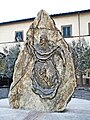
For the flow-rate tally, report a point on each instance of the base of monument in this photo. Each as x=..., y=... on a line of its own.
x=36, y=103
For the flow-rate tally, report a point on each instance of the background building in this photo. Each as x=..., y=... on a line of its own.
x=73, y=26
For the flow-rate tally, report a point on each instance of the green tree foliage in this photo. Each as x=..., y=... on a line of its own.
x=87, y=59
x=11, y=56
x=81, y=56
x=2, y=63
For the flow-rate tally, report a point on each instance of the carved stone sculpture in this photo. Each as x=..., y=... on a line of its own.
x=44, y=76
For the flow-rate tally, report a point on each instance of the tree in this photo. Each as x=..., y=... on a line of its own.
x=11, y=56
x=7, y=62
x=2, y=65
x=81, y=56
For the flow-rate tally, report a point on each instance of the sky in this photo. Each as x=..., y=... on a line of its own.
x=21, y=9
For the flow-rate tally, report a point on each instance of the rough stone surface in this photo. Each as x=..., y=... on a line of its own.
x=44, y=76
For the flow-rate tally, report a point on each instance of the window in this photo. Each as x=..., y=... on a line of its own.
x=66, y=30
x=19, y=36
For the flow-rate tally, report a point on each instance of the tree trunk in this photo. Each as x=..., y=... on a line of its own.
x=81, y=79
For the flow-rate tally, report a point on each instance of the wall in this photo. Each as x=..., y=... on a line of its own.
x=7, y=31
x=68, y=20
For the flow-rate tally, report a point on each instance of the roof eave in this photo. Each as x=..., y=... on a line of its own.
x=52, y=15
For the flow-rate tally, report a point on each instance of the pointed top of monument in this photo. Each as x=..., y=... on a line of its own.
x=43, y=21
x=44, y=24
x=41, y=12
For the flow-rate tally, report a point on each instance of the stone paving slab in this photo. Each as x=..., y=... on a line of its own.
x=77, y=109
x=82, y=93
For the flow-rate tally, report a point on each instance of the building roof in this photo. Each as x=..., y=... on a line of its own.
x=52, y=15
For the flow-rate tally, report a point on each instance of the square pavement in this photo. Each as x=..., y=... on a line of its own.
x=77, y=109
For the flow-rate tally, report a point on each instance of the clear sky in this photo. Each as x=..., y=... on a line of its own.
x=20, y=9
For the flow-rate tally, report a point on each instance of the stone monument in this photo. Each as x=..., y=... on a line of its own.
x=44, y=76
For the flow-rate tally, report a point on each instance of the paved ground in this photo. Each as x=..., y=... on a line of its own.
x=82, y=93
x=77, y=109
x=4, y=92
